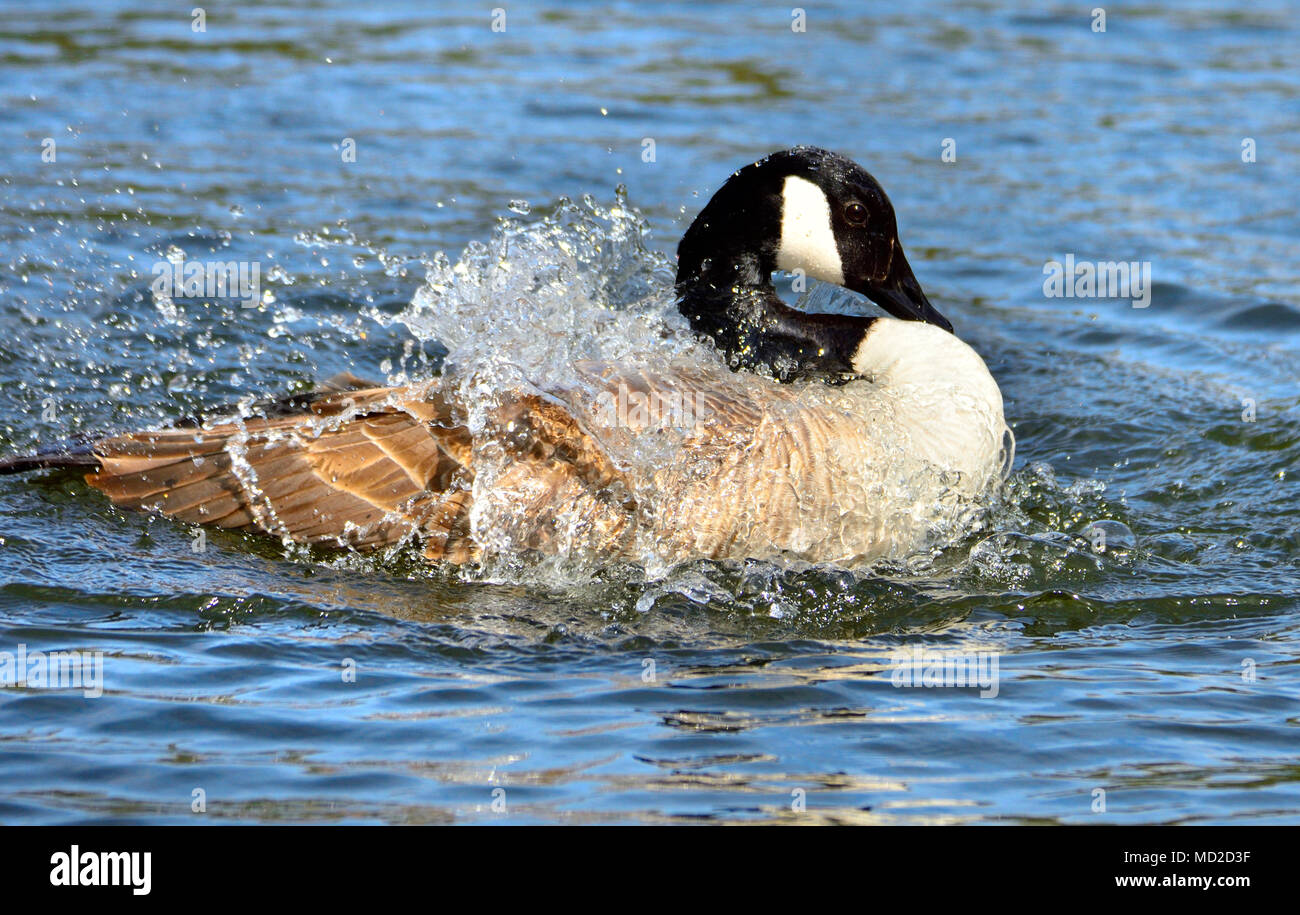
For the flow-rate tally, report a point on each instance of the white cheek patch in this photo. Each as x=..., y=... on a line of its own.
x=807, y=238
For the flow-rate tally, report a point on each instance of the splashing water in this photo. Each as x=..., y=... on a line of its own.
x=563, y=307
x=1120, y=667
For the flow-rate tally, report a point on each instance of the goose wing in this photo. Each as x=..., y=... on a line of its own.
x=623, y=462
x=365, y=466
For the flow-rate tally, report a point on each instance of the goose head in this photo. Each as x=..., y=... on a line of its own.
x=802, y=209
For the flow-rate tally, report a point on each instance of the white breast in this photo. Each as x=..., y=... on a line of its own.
x=946, y=399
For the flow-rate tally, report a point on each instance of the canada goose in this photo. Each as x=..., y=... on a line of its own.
x=850, y=438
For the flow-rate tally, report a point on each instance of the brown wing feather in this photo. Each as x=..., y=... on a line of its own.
x=366, y=467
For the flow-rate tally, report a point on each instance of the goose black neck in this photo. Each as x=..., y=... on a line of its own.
x=729, y=299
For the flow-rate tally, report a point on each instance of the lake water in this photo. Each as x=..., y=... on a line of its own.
x=1156, y=680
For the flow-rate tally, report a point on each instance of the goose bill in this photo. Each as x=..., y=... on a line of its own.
x=901, y=295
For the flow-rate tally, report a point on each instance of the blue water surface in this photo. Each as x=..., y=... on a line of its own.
x=1157, y=681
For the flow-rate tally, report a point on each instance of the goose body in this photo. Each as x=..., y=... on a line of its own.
x=850, y=438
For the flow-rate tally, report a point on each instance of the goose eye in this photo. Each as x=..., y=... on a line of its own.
x=856, y=214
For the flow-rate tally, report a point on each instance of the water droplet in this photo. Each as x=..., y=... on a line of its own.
x=1109, y=536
